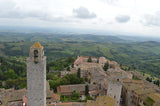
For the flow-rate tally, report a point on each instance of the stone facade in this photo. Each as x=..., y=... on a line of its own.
x=127, y=90
x=36, y=76
x=114, y=91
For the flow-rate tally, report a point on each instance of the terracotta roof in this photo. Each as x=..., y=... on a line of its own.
x=72, y=70
x=102, y=58
x=143, y=91
x=56, y=96
x=17, y=95
x=154, y=96
x=157, y=103
x=71, y=88
x=68, y=104
x=131, y=87
x=83, y=59
x=126, y=80
x=94, y=92
x=113, y=63
x=37, y=45
x=101, y=101
x=60, y=104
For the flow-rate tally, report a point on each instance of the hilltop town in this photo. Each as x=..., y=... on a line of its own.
x=106, y=84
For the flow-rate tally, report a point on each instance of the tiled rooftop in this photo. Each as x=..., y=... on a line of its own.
x=101, y=101
x=131, y=87
x=154, y=96
x=37, y=45
x=126, y=80
x=71, y=88
x=143, y=91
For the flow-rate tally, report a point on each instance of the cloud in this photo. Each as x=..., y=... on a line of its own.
x=6, y=4
x=111, y=2
x=122, y=18
x=9, y=9
x=84, y=13
x=151, y=19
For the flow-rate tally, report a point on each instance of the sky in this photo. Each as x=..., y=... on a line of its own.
x=139, y=17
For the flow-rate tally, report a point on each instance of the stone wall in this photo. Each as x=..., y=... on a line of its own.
x=36, y=82
x=114, y=91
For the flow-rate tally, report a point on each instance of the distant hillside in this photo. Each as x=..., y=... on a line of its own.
x=18, y=37
x=142, y=56
x=139, y=38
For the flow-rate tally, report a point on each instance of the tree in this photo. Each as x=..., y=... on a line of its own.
x=68, y=69
x=154, y=82
x=106, y=66
x=72, y=65
x=90, y=59
x=0, y=84
x=70, y=59
x=98, y=60
x=86, y=90
x=75, y=95
x=79, y=73
x=11, y=74
x=65, y=80
x=149, y=79
x=157, y=83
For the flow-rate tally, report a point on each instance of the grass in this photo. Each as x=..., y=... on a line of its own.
x=136, y=78
x=149, y=102
x=147, y=75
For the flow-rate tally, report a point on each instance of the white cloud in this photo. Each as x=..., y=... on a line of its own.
x=112, y=2
x=151, y=19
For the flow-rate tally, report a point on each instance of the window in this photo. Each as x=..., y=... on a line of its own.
x=35, y=53
x=144, y=103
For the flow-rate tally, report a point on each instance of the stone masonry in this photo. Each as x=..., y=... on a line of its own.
x=36, y=76
x=114, y=91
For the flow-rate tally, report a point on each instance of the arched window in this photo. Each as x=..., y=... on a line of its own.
x=35, y=53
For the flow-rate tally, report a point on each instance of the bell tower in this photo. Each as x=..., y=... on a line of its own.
x=36, y=76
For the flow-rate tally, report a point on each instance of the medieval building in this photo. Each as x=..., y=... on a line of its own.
x=36, y=76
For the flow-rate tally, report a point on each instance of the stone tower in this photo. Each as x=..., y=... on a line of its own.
x=36, y=76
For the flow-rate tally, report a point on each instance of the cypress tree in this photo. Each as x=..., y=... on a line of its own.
x=106, y=66
x=79, y=73
x=90, y=59
x=86, y=90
